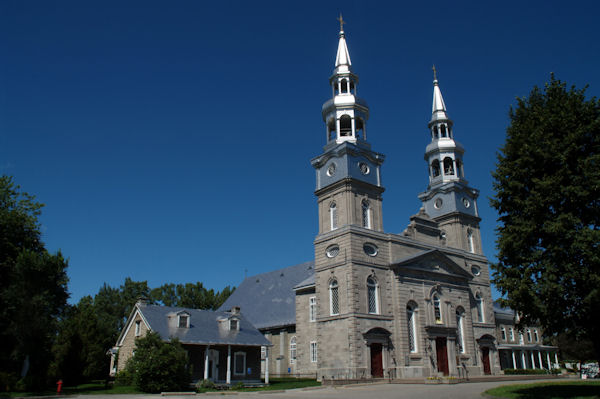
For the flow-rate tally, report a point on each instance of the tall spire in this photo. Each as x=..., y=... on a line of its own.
x=438, y=108
x=345, y=115
x=342, y=59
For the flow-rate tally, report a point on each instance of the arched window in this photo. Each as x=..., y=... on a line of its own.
x=373, y=302
x=528, y=335
x=333, y=220
x=334, y=300
x=470, y=241
x=448, y=166
x=293, y=351
x=535, y=335
x=443, y=130
x=412, y=327
x=359, y=126
x=460, y=328
x=511, y=333
x=344, y=86
x=435, y=168
x=479, y=305
x=345, y=125
x=437, y=310
x=366, y=214
x=435, y=132
x=503, y=333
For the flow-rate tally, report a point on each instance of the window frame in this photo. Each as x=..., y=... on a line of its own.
x=372, y=295
x=437, y=309
x=235, y=362
x=334, y=293
x=460, y=330
x=411, y=314
x=314, y=352
x=293, y=349
x=312, y=309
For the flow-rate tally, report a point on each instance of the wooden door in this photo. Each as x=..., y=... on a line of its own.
x=485, y=358
x=442, y=355
x=376, y=361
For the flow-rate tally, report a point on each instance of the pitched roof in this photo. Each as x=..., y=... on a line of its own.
x=268, y=299
x=205, y=327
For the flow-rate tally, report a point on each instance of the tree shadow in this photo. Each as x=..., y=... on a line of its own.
x=559, y=391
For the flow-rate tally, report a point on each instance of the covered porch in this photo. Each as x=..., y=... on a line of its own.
x=528, y=356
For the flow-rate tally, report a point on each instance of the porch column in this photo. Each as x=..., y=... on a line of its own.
x=514, y=360
x=523, y=363
x=548, y=360
x=540, y=359
x=267, y=365
x=206, y=363
x=228, y=381
x=532, y=360
x=556, y=359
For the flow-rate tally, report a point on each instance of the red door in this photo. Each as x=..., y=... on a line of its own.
x=376, y=361
x=485, y=357
x=442, y=355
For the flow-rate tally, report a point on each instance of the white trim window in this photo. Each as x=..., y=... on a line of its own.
x=333, y=216
x=503, y=333
x=535, y=335
x=372, y=294
x=312, y=308
x=183, y=320
x=263, y=352
x=313, y=351
x=511, y=333
x=366, y=214
x=460, y=336
x=437, y=309
x=479, y=305
x=293, y=350
x=239, y=363
x=412, y=328
x=470, y=241
x=528, y=335
x=138, y=328
x=334, y=298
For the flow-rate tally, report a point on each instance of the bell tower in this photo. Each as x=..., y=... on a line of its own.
x=348, y=172
x=449, y=200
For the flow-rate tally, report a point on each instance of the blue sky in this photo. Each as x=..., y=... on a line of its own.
x=170, y=141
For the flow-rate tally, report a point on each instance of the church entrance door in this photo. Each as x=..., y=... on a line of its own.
x=376, y=360
x=485, y=357
x=442, y=355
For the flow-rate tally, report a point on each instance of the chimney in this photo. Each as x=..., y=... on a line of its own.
x=235, y=310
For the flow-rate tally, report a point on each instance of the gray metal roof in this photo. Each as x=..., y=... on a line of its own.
x=268, y=299
x=205, y=327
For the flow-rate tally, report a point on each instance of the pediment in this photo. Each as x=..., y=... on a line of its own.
x=432, y=262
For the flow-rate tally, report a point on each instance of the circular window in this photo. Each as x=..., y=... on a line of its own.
x=331, y=170
x=332, y=251
x=475, y=270
x=466, y=202
x=364, y=168
x=370, y=249
x=438, y=203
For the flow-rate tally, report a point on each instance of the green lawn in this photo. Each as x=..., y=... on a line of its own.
x=548, y=390
x=83, y=389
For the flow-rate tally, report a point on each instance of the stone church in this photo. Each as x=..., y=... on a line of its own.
x=375, y=304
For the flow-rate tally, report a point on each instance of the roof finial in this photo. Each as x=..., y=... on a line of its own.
x=434, y=72
x=342, y=22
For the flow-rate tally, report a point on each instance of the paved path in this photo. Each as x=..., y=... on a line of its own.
x=375, y=391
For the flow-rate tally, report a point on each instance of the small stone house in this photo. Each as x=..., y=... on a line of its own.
x=222, y=346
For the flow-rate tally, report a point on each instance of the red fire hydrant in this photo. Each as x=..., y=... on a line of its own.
x=59, y=387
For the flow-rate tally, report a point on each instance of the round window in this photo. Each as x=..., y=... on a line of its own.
x=332, y=251
x=466, y=202
x=438, y=203
x=475, y=270
x=364, y=168
x=370, y=249
x=331, y=169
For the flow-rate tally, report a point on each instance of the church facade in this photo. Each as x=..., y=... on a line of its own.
x=375, y=304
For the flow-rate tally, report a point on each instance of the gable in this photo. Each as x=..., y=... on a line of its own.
x=135, y=315
x=432, y=262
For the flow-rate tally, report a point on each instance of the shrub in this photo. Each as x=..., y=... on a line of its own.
x=124, y=378
x=525, y=371
x=159, y=366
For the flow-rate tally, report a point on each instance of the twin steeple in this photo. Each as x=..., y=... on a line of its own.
x=345, y=114
x=443, y=154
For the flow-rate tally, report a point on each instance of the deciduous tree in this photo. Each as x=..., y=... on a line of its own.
x=547, y=194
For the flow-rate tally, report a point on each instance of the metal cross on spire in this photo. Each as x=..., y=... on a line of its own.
x=434, y=72
x=342, y=22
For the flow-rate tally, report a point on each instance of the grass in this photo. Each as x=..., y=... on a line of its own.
x=93, y=388
x=276, y=384
x=548, y=390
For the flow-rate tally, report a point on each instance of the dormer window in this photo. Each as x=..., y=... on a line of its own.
x=183, y=320
x=234, y=325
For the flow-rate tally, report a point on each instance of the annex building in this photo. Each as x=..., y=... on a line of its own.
x=375, y=304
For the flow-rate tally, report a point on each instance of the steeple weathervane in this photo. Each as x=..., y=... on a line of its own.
x=434, y=73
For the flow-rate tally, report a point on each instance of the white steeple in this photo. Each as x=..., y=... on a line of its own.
x=443, y=154
x=345, y=114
